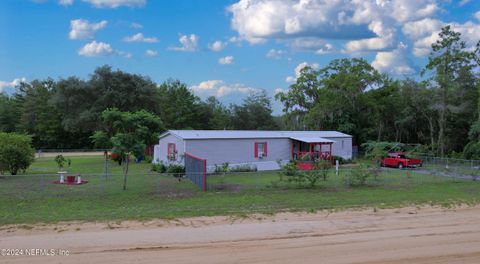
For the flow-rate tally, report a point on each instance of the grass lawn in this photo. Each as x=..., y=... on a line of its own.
x=33, y=198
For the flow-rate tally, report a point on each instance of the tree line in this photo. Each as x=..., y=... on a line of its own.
x=67, y=113
x=440, y=110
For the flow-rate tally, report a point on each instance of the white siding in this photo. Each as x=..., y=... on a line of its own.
x=161, y=150
x=240, y=151
x=337, y=150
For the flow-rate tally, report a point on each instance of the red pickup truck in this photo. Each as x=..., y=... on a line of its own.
x=399, y=160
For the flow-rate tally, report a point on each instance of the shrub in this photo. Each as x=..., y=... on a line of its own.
x=176, y=169
x=148, y=159
x=60, y=160
x=222, y=169
x=244, y=168
x=322, y=166
x=472, y=150
x=159, y=167
x=16, y=152
x=340, y=159
x=357, y=177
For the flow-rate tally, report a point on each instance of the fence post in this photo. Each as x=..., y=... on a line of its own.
x=336, y=167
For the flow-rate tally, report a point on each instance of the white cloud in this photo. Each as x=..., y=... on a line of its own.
x=259, y=20
x=188, y=43
x=477, y=15
x=298, y=69
x=393, y=62
x=139, y=37
x=94, y=49
x=14, y=83
x=421, y=28
x=219, y=88
x=116, y=3
x=385, y=39
x=65, y=2
x=82, y=29
x=136, y=25
x=151, y=53
x=275, y=54
x=425, y=32
x=217, y=46
x=226, y=60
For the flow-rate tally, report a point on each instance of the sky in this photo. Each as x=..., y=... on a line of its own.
x=223, y=48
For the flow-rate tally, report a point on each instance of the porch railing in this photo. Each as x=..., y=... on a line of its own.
x=315, y=155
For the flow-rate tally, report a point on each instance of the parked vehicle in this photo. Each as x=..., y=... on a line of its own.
x=399, y=160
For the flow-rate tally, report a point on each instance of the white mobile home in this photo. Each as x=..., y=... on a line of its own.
x=257, y=148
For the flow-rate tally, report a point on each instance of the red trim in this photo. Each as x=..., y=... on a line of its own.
x=204, y=169
x=265, y=149
x=193, y=156
x=174, y=150
x=204, y=175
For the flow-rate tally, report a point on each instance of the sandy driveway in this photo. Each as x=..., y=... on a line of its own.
x=408, y=235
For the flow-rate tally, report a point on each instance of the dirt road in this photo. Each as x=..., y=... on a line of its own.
x=408, y=235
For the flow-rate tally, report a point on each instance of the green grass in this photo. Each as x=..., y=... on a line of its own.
x=31, y=199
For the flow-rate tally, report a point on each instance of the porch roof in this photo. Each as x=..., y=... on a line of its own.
x=313, y=139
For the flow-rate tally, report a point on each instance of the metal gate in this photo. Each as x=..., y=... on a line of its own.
x=196, y=170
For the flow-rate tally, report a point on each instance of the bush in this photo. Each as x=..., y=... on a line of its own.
x=148, y=159
x=222, y=169
x=357, y=177
x=60, y=160
x=472, y=150
x=322, y=167
x=16, y=152
x=159, y=167
x=244, y=168
x=176, y=170
x=340, y=159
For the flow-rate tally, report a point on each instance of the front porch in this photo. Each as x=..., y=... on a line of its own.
x=307, y=150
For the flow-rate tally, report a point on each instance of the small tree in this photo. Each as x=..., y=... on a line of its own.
x=60, y=160
x=323, y=166
x=129, y=133
x=16, y=152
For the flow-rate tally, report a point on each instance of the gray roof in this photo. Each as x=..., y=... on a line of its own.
x=226, y=134
x=313, y=139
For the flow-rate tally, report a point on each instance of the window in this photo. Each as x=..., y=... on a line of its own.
x=342, y=144
x=171, y=151
x=260, y=149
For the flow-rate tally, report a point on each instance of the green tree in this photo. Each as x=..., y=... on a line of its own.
x=129, y=133
x=332, y=98
x=255, y=113
x=82, y=102
x=214, y=115
x=38, y=117
x=16, y=152
x=179, y=107
x=9, y=116
x=451, y=64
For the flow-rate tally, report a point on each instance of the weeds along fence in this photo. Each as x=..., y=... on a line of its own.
x=175, y=186
x=451, y=166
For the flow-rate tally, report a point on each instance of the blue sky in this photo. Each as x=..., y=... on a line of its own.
x=223, y=48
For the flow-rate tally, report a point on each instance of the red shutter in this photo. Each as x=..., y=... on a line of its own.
x=255, y=150
x=265, y=149
x=168, y=148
